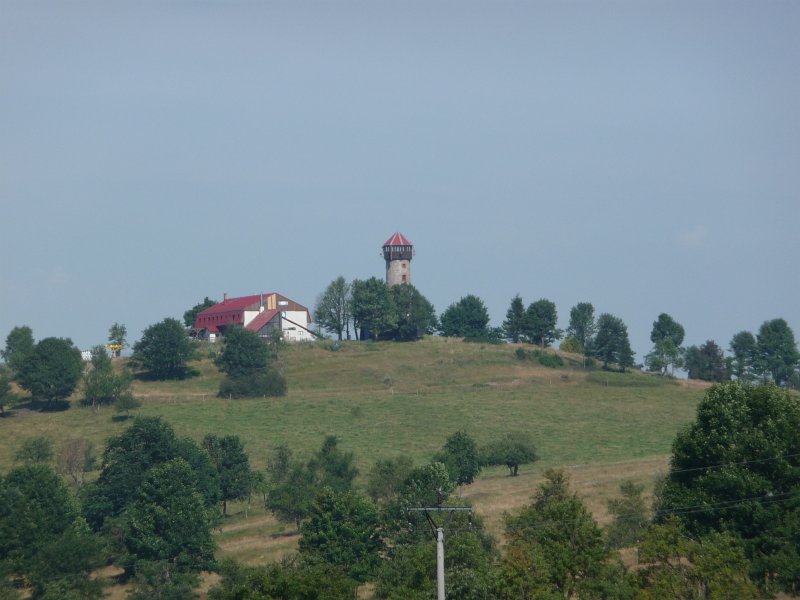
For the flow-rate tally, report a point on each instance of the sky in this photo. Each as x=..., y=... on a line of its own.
x=643, y=156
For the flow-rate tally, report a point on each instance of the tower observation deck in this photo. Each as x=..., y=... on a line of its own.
x=398, y=252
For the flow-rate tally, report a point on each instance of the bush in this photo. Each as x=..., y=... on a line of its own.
x=552, y=361
x=253, y=385
x=521, y=354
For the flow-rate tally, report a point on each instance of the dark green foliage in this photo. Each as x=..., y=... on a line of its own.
x=611, y=345
x=7, y=396
x=166, y=519
x=35, y=450
x=572, y=345
x=556, y=548
x=343, y=529
x=546, y=359
x=128, y=457
x=244, y=352
x=678, y=566
x=706, y=363
x=52, y=370
x=102, y=385
x=777, y=351
x=232, y=464
x=738, y=467
x=254, y=385
x=521, y=354
x=540, y=321
x=332, y=311
x=332, y=467
x=514, y=325
x=164, y=350
x=117, y=335
x=413, y=314
x=466, y=318
x=629, y=516
x=372, y=308
x=461, y=457
x=190, y=316
x=743, y=348
x=387, y=478
x=667, y=337
x=19, y=344
x=161, y=581
x=582, y=326
x=513, y=449
x=292, y=579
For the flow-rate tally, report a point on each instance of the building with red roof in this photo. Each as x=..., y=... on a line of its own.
x=262, y=313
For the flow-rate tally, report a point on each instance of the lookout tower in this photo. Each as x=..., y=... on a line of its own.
x=398, y=252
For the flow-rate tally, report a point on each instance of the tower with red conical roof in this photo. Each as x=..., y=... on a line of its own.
x=398, y=252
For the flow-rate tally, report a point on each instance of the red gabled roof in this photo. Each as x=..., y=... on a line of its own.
x=261, y=320
x=398, y=239
x=240, y=303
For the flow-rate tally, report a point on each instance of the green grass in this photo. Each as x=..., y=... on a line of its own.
x=384, y=399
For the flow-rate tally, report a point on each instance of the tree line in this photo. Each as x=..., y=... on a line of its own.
x=723, y=522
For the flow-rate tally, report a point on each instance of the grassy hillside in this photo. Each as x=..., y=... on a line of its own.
x=384, y=399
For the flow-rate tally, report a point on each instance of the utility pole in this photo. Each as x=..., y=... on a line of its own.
x=438, y=532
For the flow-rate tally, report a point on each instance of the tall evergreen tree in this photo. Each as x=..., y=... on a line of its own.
x=743, y=348
x=582, y=325
x=514, y=324
x=540, y=323
x=777, y=351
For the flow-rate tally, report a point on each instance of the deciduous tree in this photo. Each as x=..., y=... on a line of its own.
x=233, y=465
x=777, y=351
x=372, y=310
x=413, y=314
x=629, y=516
x=737, y=467
x=466, y=318
x=52, y=370
x=19, y=344
x=104, y=385
x=667, y=354
x=190, y=316
x=35, y=450
x=332, y=311
x=540, y=323
x=164, y=350
x=611, y=344
x=513, y=449
x=582, y=325
x=461, y=457
x=117, y=337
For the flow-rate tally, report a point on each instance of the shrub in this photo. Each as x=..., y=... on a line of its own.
x=253, y=385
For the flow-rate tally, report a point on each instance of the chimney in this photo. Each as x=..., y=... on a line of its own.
x=225, y=297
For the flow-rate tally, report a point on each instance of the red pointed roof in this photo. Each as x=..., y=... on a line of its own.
x=398, y=239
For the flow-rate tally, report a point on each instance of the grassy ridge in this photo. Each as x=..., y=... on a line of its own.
x=385, y=399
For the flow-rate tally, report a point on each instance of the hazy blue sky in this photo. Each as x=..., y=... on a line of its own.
x=642, y=156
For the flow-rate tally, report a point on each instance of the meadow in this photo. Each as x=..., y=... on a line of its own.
x=386, y=399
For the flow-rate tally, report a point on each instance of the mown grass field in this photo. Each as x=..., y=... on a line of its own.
x=385, y=399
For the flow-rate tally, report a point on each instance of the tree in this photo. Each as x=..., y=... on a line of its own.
x=413, y=314
x=540, y=323
x=76, y=459
x=167, y=519
x=7, y=397
x=102, y=385
x=117, y=335
x=52, y=370
x=514, y=325
x=611, y=344
x=629, y=516
x=556, y=548
x=146, y=443
x=743, y=348
x=291, y=490
x=706, y=362
x=777, y=351
x=513, y=449
x=387, y=478
x=244, y=352
x=466, y=318
x=332, y=467
x=233, y=465
x=190, y=316
x=332, y=311
x=343, y=530
x=371, y=308
x=737, y=467
x=35, y=450
x=678, y=566
x=461, y=457
x=667, y=337
x=19, y=344
x=582, y=325
x=164, y=350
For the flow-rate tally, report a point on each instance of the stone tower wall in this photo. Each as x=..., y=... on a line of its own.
x=395, y=270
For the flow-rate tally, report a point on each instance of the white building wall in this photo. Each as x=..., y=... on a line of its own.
x=291, y=332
